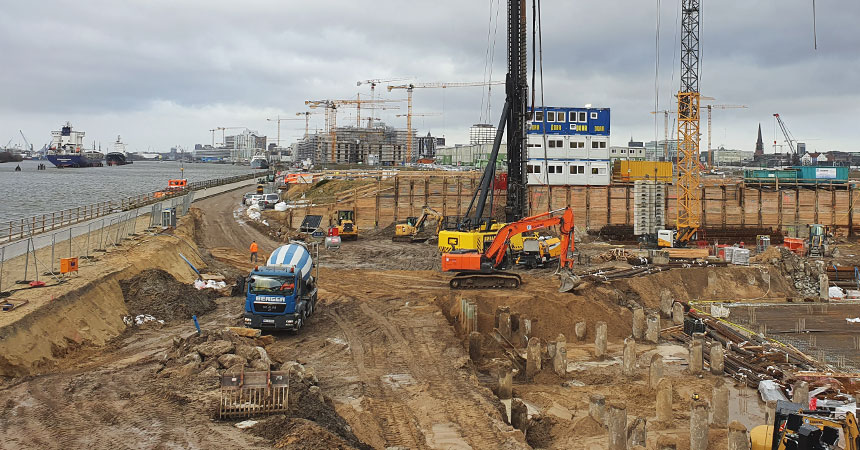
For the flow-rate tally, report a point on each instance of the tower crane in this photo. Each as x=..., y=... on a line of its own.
x=213, y=136
x=373, y=84
x=412, y=86
x=279, y=119
x=689, y=168
x=710, y=109
x=331, y=107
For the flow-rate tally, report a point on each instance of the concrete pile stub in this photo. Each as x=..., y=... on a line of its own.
x=666, y=302
x=559, y=359
x=638, y=324
x=533, y=358
x=664, y=402
x=655, y=370
x=720, y=398
x=696, y=359
x=638, y=433
x=678, y=313
x=718, y=357
x=503, y=321
x=738, y=438
x=699, y=425
x=617, y=426
x=519, y=415
x=652, y=329
x=600, y=340
x=580, y=329
x=597, y=408
x=629, y=358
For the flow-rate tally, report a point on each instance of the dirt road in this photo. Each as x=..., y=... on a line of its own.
x=382, y=348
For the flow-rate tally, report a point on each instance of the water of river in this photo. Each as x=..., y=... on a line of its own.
x=33, y=192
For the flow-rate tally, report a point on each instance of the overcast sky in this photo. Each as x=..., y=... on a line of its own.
x=162, y=73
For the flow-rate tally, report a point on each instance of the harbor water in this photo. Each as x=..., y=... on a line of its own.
x=33, y=192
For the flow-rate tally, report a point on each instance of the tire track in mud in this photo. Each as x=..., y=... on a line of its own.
x=396, y=422
x=461, y=404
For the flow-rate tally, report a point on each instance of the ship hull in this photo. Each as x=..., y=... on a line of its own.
x=71, y=161
x=259, y=164
x=116, y=159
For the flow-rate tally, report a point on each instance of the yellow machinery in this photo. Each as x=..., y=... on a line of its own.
x=346, y=227
x=817, y=244
x=478, y=239
x=538, y=250
x=689, y=168
x=408, y=232
x=795, y=428
x=450, y=240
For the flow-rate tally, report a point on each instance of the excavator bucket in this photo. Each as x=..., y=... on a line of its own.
x=569, y=280
x=254, y=393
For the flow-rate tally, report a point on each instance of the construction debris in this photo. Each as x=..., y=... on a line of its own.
x=157, y=293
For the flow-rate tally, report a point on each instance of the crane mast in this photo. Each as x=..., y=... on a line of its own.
x=689, y=172
x=517, y=96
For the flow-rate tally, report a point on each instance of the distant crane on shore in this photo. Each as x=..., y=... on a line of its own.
x=411, y=86
x=373, y=84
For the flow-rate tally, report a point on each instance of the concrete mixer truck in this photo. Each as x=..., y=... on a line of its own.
x=282, y=294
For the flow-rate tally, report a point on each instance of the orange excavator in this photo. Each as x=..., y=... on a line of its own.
x=483, y=270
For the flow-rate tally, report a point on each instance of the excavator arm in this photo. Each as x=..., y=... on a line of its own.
x=428, y=213
x=497, y=249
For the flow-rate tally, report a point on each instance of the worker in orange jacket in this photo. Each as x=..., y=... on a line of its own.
x=254, y=251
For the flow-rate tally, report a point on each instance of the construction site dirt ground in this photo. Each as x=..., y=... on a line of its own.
x=387, y=349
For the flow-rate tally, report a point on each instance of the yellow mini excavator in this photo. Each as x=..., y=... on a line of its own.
x=410, y=230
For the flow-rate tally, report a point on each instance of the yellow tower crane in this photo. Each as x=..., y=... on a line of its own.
x=412, y=86
x=689, y=218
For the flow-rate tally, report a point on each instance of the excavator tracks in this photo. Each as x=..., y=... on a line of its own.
x=495, y=280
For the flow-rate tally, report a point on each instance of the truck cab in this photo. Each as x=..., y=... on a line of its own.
x=279, y=298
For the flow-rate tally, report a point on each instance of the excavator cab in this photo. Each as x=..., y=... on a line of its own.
x=795, y=428
x=346, y=227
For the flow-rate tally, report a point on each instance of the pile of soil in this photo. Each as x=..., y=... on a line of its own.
x=157, y=293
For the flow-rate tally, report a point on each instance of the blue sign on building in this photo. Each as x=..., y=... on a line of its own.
x=569, y=121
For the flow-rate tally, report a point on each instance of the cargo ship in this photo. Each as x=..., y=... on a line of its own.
x=118, y=157
x=259, y=161
x=66, y=149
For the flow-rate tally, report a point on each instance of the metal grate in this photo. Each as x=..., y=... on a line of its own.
x=254, y=393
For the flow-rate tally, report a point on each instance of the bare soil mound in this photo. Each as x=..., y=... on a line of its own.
x=312, y=421
x=157, y=293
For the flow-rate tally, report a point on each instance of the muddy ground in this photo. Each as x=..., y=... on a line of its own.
x=388, y=355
